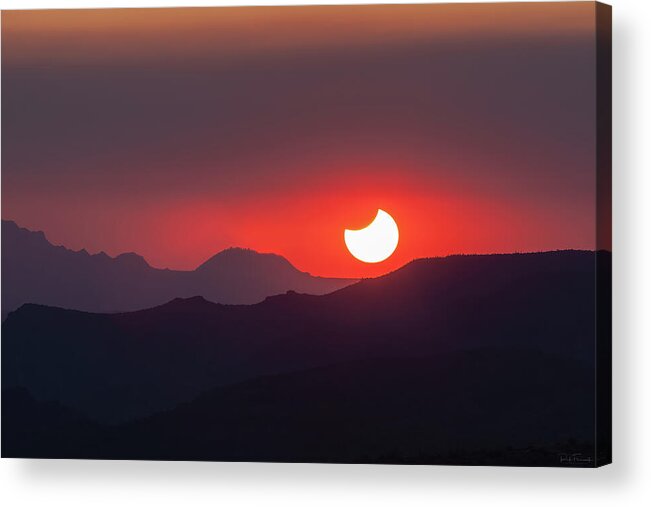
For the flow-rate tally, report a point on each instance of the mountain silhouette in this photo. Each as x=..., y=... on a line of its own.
x=446, y=408
x=116, y=367
x=35, y=271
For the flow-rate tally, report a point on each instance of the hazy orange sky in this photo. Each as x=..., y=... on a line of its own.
x=176, y=133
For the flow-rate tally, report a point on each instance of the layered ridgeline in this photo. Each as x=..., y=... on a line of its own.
x=453, y=354
x=35, y=271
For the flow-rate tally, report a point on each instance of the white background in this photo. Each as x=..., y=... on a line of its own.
x=626, y=482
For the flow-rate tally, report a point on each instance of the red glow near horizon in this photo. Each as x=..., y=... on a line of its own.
x=306, y=223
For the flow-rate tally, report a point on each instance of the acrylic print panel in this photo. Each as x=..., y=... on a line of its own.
x=349, y=234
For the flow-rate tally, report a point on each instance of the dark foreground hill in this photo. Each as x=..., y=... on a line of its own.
x=35, y=271
x=112, y=368
x=480, y=407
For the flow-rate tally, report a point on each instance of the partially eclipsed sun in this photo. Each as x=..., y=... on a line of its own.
x=375, y=242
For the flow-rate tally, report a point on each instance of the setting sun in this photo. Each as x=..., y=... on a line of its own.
x=375, y=242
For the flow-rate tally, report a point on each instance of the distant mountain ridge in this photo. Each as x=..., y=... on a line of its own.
x=35, y=271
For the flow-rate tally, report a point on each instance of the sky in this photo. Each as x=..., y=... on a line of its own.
x=176, y=133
